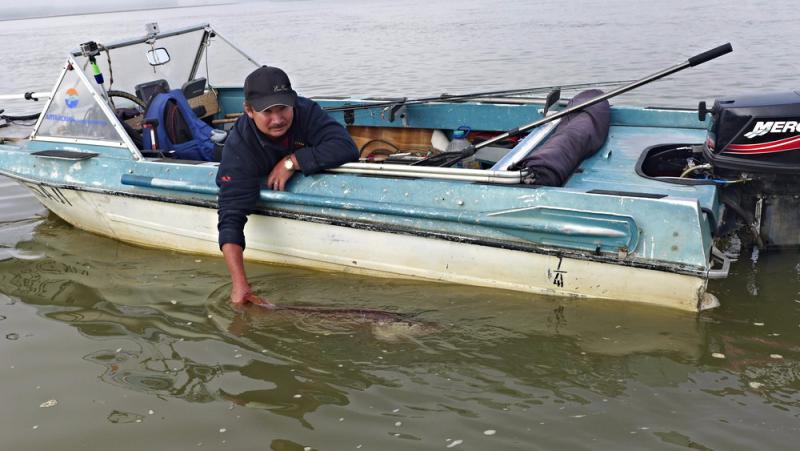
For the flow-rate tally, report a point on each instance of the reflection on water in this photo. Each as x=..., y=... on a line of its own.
x=462, y=354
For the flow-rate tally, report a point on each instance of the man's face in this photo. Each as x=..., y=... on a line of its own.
x=274, y=121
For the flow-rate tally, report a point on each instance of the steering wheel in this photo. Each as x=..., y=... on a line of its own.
x=128, y=96
x=131, y=119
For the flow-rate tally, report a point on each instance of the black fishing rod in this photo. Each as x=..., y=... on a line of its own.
x=448, y=97
x=691, y=62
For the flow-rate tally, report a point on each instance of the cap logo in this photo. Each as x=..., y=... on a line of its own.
x=280, y=88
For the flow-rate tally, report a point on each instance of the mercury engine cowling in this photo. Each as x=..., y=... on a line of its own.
x=756, y=140
x=756, y=134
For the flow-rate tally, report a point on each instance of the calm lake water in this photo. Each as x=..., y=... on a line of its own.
x=109, y=346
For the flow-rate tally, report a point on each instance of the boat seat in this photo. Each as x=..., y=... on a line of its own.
x=204, y=105
x=194, y=88
x=146, y=91
x=578, y=136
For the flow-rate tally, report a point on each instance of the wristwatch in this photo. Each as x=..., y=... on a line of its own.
x=288, y=164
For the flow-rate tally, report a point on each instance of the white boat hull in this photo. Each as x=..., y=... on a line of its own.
x=279, y=240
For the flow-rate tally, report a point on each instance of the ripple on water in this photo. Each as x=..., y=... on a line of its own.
x=118, y=416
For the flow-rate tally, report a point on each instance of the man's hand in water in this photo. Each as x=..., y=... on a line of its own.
x=241, y=296
x=240, y=293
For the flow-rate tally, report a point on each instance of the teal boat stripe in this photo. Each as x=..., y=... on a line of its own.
x=515, y=246
x=553, y=226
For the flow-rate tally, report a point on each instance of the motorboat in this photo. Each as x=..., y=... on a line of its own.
x=646, y=217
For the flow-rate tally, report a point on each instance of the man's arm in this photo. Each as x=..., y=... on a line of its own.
x=238, y=179
x=234, y=258
x=241, y=293
x=328, y=144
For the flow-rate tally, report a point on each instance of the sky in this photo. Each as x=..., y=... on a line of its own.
x=43, y=8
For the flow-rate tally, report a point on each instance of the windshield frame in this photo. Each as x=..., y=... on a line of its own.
x=79, y=61
x=101, y=100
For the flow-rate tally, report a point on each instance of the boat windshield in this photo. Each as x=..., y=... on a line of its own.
x=113, y=83
x=75, y=113
x=176, y=58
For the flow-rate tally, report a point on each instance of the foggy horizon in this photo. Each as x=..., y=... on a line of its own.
x=45, y=8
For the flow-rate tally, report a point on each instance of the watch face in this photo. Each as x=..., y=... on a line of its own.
x=288, y=164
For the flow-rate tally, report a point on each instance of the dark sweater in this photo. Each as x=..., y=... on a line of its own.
x=317, y=140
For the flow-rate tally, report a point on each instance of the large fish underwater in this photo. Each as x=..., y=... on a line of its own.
x=384, y=325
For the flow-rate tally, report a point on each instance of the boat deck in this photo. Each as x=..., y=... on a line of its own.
x=613, y=168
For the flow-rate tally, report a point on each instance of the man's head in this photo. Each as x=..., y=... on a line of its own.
x=269, y=100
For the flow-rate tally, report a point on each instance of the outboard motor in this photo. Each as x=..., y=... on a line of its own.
x=756, y=140
x=755, y=133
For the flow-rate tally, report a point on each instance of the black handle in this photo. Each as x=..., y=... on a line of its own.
x=551, y=100
x=710, y=54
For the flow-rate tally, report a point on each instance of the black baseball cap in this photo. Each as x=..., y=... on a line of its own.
x=268, y=86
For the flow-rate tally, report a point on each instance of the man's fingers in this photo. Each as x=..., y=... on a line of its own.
x=275, y=183
x=278, y=177
x=279, y=184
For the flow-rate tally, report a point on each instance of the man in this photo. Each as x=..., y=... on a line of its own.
x=279, y=134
